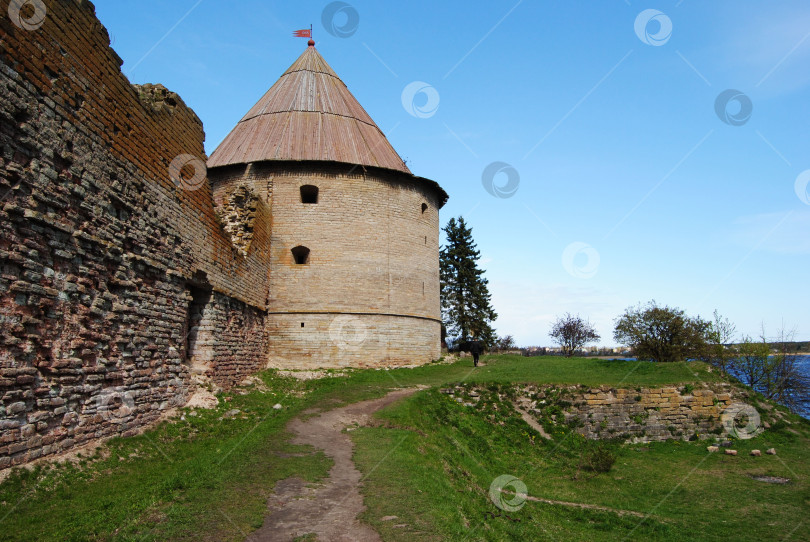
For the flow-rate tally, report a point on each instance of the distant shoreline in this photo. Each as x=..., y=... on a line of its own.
x=619, y=356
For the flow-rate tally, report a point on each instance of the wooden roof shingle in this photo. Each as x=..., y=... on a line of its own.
x=309, y=114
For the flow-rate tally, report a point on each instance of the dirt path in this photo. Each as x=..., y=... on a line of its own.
x=533, y=423
x=329, y=511
x=584, y=506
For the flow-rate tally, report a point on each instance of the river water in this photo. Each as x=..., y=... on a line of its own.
x=804, y=363
x=804, y=402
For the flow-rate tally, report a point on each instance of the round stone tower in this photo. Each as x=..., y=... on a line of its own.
x=353, y=269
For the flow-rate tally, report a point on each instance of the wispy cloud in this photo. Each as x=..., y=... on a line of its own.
x=789, y=238
x=773, y=52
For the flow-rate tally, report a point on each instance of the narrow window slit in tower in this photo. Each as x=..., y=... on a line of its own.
x=424, y=208
x=309, y=194
x=301, y=255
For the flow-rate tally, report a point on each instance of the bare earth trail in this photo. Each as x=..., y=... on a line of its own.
x=330, y=510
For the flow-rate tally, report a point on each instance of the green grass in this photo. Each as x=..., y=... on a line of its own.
x=431, y=465
x=202, y=477
x=546, y=369
x=207, y=477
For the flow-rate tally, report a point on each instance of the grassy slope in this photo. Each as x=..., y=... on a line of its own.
x=431, y=464
x=208, y=477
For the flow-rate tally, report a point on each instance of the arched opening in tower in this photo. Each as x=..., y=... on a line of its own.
x=300, y=255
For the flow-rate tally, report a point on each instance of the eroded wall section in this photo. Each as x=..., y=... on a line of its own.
x=116, y=284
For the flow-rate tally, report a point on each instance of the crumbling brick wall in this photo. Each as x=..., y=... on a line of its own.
x=100, y=251
x=240, y=342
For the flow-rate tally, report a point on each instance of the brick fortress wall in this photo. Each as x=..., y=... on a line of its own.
x=116, y=284
x=369, y=292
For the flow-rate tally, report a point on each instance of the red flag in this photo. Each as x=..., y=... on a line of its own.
x=303, y=33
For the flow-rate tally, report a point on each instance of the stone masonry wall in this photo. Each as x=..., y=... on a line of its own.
x=369, y=292
x=240, y=342
x=101, y=254
x=373, y=247
x=639, y=415
x=351, y=340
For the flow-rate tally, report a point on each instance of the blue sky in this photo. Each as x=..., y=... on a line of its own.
x=630, y=185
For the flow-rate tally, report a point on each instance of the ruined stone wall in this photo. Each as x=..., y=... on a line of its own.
x=637, y=414
x=101, y=254
x=369, y=292
x=687, y=412
x=238, y=344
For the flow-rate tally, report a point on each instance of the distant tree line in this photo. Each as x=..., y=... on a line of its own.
x=602, y=351
x=651, y=332
x=665, y=334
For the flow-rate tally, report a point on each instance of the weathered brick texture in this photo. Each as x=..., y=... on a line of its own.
x=123, y=284
x=350, y=340
x=100, y=252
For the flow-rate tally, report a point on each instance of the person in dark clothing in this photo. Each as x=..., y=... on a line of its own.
x=475, y=349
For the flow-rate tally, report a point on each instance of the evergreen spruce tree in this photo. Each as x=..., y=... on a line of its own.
x=466, y=308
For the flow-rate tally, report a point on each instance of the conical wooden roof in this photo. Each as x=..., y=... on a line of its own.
x=309, y=114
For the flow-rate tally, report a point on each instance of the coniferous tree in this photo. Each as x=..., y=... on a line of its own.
x=466, y=308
